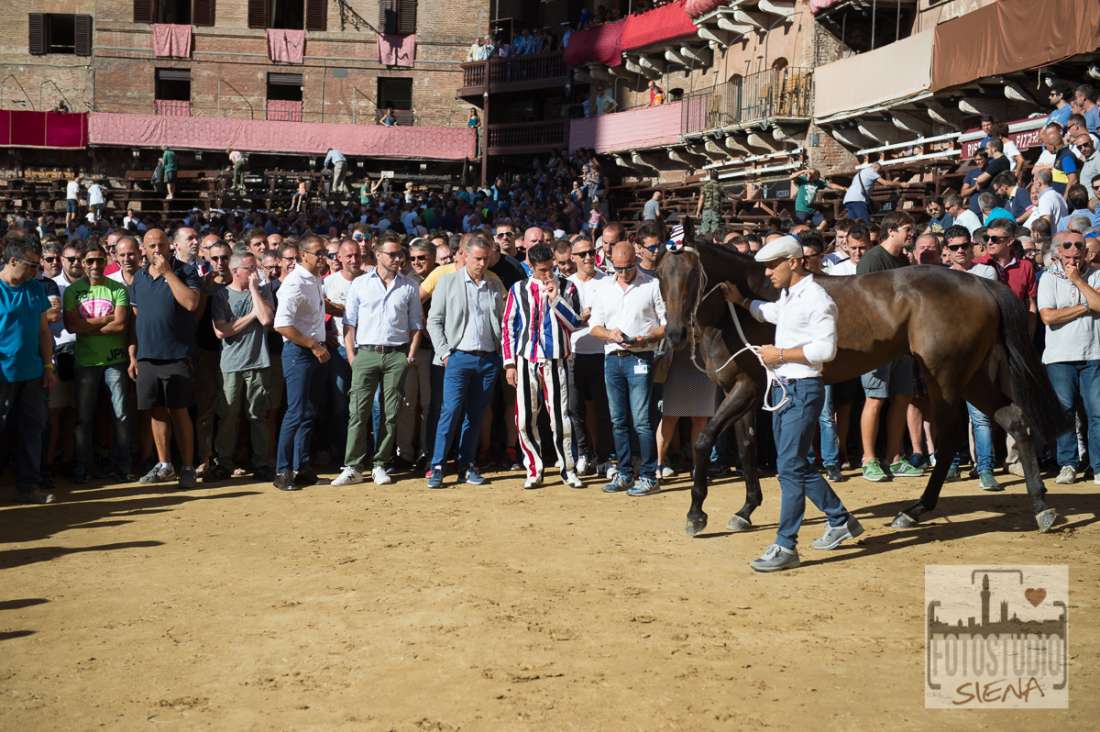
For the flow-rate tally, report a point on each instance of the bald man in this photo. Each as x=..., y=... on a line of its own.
x=628, y=314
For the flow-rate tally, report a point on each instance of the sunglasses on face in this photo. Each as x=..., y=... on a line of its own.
x=71, y=260
x=273, y=268
x=1001, y=239
x=51, y=260
x=624, y=270
x=399, y=254
x=219, y=258
x=506, y=234
x=585, y=254
x=1078, y=245
x=419, y=258
x=330, y=255
x=94, y=260
x=957, y=247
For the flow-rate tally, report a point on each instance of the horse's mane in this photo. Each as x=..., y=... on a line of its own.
x=736, y=268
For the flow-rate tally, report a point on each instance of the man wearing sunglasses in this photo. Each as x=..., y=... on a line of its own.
x=588, y=394
x=1017, y=273
x=629, y=316
x=26, y=367
x=207, y=354
x=805, y=339
x=650, y=241
x=1069, y=305
x=97, y=310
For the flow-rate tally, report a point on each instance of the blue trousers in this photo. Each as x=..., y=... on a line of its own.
x=467, y=388
x=629, y=382
x=826, y=423
x=303, y=391
x=1073, y=379
x=793, y=428
x=88, y=380
x=983, y=441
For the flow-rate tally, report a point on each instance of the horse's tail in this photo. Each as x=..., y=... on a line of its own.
x=1028, y=384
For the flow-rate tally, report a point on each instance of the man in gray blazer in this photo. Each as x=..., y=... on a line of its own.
x=464, y=323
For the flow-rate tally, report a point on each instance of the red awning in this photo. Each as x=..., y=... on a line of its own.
x=653, y=26
x=600, y=44
x=62, y=130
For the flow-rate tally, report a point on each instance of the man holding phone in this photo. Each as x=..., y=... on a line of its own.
x=628, y=313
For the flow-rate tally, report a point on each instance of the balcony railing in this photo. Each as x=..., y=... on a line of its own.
x=173, y=107
x=280, y=110
x=765, y=95
x=528, y=136
x=517, y=71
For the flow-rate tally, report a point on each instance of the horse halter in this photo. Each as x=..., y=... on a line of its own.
x=773, y=378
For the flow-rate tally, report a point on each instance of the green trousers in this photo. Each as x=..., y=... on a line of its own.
x=367, y=370
x=249, y=390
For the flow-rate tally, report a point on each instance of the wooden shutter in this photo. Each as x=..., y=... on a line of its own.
x=202, y=12
x=387, y=16
x=257, y=13
x=145, y=11
x=316, y=15
x=37, y=33
x=406, y=17
x=82, y=35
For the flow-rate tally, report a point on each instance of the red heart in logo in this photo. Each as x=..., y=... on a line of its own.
x=1035, y=595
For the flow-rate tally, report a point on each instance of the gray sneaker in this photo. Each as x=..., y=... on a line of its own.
x=988, y=483
x=644, y=487
x=834, y=536
x=775, y=558
x=1066, y=476
x=159, y=474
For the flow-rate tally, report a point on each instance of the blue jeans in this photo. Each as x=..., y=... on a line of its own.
x=300, y=369
x=338, y=378
x=983, y=439
x=24, y=419
x=793, y=428
x=467, y=388
x=826, y=423
x=1070, y=380
x=88, y=379
x=858, y=211
x=629, y=381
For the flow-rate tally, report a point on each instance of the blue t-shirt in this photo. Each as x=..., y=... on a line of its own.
x=21, y=311
x=1060, y=115
x=998, y=213
x=1064, y=164
x=165, y=329
x=1020, y=201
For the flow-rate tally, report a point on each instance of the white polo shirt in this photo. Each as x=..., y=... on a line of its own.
x=635, y=310
x=582, y=340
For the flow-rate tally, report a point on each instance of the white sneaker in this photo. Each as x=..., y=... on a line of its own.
x=1066, y=476
x=347, y=476
x=533, y=481
x=582, y=465
x=665, y=472
x=380, y=476
x=612, y=471
x=573, y=480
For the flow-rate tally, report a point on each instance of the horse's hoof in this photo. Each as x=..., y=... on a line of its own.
x=903, y=521
x=1046, y=520
x=738, y=523
x=694, y=526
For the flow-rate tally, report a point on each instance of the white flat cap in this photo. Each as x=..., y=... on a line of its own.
x=781, y=248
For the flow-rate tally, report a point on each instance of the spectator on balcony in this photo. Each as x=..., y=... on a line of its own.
x=521, y=43
x=477, y=50
x=809, y=182
x=605, y=100
x=1059, y=98
x=1074, y=129
x=992, y=209
x=72, y=197
x=339, y=164
x=656, y=94
x=709, y=208
x=652, y=209
x=96, y=199
x=388, y=119
x=1016, y=161
x=237, y=162
x=1057, y=159
x=168, y=171
x=857, y=198
x=959, y=214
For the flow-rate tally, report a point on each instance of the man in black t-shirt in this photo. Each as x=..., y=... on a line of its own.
x=893, y=382
x=165, y=296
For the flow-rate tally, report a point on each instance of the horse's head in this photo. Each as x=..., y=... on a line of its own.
x=680, y=274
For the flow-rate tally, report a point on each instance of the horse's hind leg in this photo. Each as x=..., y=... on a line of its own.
x=945, y=425
x=1011, y=419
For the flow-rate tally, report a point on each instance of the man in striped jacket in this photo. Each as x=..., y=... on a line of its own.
x=541, y=312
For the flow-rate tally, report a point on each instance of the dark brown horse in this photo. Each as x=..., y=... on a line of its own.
x=968, y=336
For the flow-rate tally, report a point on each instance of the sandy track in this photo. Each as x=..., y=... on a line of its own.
x=238, y=607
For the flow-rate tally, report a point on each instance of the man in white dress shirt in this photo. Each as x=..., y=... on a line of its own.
x=300, y=320
x=805, y=339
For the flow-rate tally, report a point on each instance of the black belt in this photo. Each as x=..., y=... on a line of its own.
x=384, y=349
x=477, y=353
x=622, y=353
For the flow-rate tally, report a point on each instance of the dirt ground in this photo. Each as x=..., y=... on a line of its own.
x=365, y=607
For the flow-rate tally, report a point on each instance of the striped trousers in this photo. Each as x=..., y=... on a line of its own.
x=545, y=382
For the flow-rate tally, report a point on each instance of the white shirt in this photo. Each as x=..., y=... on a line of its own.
x=804, y=316
x=832, y=259
x=635, y=311
x=302, y=304
x=117, y=277
x=987, y=271
x=969, y=219
x=581, y=339
x=843, y=267
x=1011, y=152
x=72, y=190
x=383, y=316
x=1052, y=204
x=336, y=288
x=1079, y=339
x=95, y=195
x=62, y=336
x=854, y=194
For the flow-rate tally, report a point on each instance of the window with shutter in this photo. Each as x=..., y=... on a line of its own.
x=82, y=35
x=317, y=15
x=387, y=16
x=406, y=17
x=202, y=12
x=37, y=33
x=257, y=13
x=145, y=11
